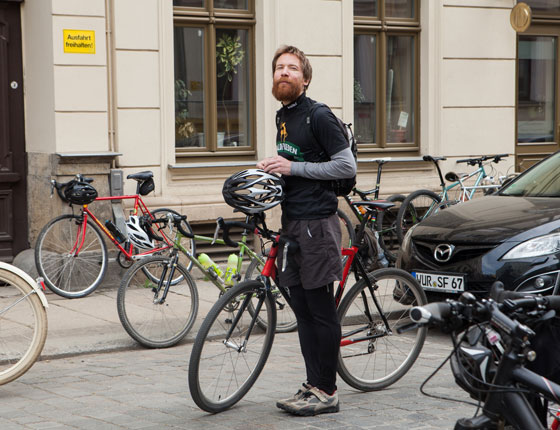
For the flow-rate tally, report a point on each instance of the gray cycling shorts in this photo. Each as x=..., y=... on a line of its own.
x=317, y=260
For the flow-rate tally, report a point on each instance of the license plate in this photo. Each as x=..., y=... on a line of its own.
x=440, y=282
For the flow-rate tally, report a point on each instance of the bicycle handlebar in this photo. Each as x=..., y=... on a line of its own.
x=478, y=161
x=226, y=225
x=456, y=314
x=60, y=186
x=176, y=220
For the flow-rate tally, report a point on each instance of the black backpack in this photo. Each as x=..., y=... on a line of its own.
x=341, y=187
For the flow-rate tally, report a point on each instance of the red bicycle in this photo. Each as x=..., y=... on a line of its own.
x=235, y=339
x=70, y=253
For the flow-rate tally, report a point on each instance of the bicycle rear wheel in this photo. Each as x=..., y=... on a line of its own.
x=23, y=326
x=224, y=367
x=372, y=354
x=285, y=317
x=386, y=226
x=417, y=206
x=151, y=321
x=67, y=273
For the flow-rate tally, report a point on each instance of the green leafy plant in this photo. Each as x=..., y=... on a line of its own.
x=229, y=54
x=183, y=126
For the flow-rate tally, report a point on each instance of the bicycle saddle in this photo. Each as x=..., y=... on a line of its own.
x=141, y=176
x=455, y=177
x=434, y=159
x=378, y=204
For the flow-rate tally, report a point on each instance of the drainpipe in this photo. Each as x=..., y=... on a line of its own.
x=110, y=78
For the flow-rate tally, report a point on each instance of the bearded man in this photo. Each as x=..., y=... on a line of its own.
x=312, y=152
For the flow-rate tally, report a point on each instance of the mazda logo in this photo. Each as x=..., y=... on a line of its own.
x=443, y=252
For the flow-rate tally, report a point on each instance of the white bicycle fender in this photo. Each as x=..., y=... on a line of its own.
x=28, y=279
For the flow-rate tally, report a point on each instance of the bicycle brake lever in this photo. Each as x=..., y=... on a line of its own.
x=216, y=233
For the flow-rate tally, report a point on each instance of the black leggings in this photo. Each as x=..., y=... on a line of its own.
x=319, y=334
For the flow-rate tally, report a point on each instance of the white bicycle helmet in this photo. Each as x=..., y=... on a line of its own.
x=252, y=191
x=137, y=234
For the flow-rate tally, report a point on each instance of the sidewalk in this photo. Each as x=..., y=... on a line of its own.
x=91, y=324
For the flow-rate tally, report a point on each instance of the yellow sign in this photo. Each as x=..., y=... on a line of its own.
x=520, y=17
x=79, y=41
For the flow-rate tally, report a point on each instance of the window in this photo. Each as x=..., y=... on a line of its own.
x=386, y=75
x=213, y=50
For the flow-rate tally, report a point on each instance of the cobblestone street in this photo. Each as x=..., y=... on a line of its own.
x=147, y=389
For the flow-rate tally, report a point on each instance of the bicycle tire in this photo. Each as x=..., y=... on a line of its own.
x=285, y=317
x=219, y=374
x=23, y=326
x=416, y=207
x=374, y=364
x=67, y=275
x=156, y=324
x=187, y=243
x=346, y=229
x=386, y=226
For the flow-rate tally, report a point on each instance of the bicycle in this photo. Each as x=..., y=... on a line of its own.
x=231, y=349
x=497, y=379
x=383, y=225
x=23, y=322
x=158, y=312
x=422, y=203
x=70, y=253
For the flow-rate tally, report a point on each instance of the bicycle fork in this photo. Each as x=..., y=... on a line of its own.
x=170, y=266
x=243, y=347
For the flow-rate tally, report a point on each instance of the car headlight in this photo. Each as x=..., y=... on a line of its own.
x=536, y=247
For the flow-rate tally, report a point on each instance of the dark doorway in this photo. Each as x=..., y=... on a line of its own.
x=13, y=190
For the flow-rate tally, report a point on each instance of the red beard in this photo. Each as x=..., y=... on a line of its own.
x=287, y=92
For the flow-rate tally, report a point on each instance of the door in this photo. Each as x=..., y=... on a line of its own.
x=13, y=193
x=538, y=101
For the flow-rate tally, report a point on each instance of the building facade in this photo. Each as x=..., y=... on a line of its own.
x=182, y=88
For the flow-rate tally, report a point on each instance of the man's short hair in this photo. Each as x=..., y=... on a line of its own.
x=305, y=64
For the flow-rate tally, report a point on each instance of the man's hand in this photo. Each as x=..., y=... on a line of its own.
x=276, y=165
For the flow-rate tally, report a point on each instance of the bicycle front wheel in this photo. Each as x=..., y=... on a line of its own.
x=373, y=355
x=346, y=229
x=147, y=316
x=416, y=207
x=72, y=263
x=230, y=350
x=285, y=317
x=23, y=326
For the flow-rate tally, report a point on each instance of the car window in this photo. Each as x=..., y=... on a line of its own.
x=542, y=180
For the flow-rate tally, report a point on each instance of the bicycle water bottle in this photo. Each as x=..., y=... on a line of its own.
x=210, y=266
x=117, y=234
x=231, y=269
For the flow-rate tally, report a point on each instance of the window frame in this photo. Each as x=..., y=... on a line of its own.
x=211, y=19
x=382, y=28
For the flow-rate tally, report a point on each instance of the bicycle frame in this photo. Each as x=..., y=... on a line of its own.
x=375, y=191
x=467, y=192
x=353, y=263
x=212, y=277
x=128, y=253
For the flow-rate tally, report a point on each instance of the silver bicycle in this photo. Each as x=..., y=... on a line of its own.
x=23, y=322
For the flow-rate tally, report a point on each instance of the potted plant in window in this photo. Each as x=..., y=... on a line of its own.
x=184, y=128
x=229, y=54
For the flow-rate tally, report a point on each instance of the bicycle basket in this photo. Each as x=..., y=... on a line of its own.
x=80, y=193
x=146, y=187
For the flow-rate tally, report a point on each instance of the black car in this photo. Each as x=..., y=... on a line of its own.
x=512, y=236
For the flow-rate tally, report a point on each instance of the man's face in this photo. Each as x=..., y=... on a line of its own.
x=288, y=82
